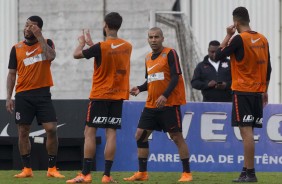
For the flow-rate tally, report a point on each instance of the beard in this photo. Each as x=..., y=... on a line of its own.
x=31, y=37
x=104, y=32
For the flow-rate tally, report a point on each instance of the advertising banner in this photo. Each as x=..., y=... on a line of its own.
x=213, y=144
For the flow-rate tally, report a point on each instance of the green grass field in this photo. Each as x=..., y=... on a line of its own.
x=6, y=177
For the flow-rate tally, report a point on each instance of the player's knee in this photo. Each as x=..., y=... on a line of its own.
x=176, y=137
x=51, y=131
x=141, y=140
x=23, y=131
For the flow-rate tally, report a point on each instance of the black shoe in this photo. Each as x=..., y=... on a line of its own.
x=251, y=179
x=241, y=179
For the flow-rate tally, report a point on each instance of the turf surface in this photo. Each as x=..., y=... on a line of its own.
x=6, y=177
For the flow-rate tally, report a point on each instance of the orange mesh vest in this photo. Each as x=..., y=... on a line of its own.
x=32, y=67
x=249, y=74
x=111, y=78
x=158, y=80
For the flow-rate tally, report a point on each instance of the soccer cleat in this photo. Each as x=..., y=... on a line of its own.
x=138, y=176
x=80, y=178
x=108, y=179
x=26, y=172
x=185, y=177
x=240, y=179
x=251, y=179
x=53, y=172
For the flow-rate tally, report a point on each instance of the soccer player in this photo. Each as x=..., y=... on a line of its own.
x=110, y=87
x=31, y=60
x=250, y=69
x=166, y=93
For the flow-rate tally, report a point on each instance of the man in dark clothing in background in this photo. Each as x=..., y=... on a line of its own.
x=212, y=77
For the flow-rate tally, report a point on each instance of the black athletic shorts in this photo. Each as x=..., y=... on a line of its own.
x=28, y=107
x=104, y=114
x=167, y=119
x=247, y=109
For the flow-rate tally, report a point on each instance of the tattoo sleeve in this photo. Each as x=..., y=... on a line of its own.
x=49, y=52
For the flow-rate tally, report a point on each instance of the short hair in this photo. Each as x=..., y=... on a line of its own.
x=113, y=20
x=241, y=14
x=214, y=43
x=37, y=19
x=157, y=29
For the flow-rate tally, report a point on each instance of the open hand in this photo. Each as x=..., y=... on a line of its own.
x=36, y=31
x=81, y=38
x=88, y=38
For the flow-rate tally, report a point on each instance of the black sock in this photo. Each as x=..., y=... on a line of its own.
x=251, y=172
x=185, y=165
x=243, y=172
x=52, y=160
x=142, y=164
x=108, y=167
x=26, y=160
x=87, y=166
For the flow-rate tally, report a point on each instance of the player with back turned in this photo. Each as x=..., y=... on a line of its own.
x=250, y=70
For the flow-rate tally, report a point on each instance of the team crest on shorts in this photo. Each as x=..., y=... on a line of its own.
x=18, y=116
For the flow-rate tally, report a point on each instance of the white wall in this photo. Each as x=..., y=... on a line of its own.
x=63, y=21
x=8, y=36
x=210, y=18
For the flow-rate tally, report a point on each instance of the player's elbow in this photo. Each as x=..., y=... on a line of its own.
x=77, y=55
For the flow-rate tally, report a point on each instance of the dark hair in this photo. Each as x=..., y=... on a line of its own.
x=241, y=14
x=214, y=43
x=37, y=19
x=113, y=20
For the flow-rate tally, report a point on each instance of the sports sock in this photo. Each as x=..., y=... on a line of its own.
x=251, y=172
x=186, y=165
x=26, y=160
x=142, y=164
x=52, y=160
x=87, y=166
x=108, y=166
x=243, y=172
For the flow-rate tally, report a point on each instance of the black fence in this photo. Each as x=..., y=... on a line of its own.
x=71, y=120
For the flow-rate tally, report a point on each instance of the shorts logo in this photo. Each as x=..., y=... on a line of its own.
x=248, y=118
x=18, y=116
x=259, y=121
x=105, y=120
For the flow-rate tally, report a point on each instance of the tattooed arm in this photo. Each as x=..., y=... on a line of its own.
x=47, y=50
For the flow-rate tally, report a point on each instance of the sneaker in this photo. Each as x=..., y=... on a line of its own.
x=138, y=176
x=251, y=179
x=186, y=177
x=80, y=178
x=53, y=172
x=240, y=179
x=108, y=179
x=26, y=172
